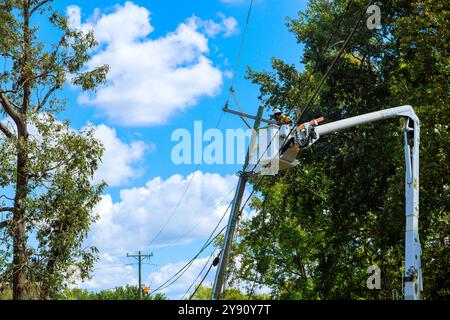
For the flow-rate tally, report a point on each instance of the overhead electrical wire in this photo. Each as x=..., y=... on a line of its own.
x=221, y=201
x=198, y=276
x=201, y=282
x=184, y=192
x=231, y=91
x=208, y=242
x=181, y=271
x=241, y=49
x=322, y=81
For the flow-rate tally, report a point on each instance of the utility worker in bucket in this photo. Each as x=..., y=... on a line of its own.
x=281, y=118
x=284, y=122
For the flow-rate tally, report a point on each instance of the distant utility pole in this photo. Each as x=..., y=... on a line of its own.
x=140, y=256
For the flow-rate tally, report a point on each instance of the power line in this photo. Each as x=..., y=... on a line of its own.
x=344, y=46
x=180, y=272
x=176, y=206
x=237, y=65
x=198, y=276
x=201, y=282
x=219, y=120
x=318, y=59
x=241, y=48
x=325, y=76
x=197, y=224
x=188, y=264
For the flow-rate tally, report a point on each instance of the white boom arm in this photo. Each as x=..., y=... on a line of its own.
x=307, y=134
x=413, y=269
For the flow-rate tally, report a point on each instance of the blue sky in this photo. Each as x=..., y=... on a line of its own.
x=149, y=96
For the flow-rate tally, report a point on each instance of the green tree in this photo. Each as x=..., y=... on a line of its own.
x=118, y=293
x=204, y=293
x=321, y=224
x=45, y=167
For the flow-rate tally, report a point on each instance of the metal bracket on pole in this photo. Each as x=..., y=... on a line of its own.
x=246, y=115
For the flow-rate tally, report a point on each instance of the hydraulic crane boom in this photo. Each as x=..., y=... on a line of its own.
x=308, y=133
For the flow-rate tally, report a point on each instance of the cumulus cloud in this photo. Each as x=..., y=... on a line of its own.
x=131, y=223
x=119, y=159
x=110, y=272
x=151, y=79
x=228, y=26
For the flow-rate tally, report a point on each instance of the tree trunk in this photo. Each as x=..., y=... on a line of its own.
x=20, y=258
x=19, y=231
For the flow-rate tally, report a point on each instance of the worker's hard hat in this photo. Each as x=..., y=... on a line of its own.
x=276, y=111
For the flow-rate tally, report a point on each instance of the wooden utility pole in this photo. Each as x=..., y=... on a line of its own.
x=140, y=256
x=234, y=218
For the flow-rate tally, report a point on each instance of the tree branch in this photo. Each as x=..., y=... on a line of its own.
x=8, y=198
x=40, y=4
x=3, y=209
x=4, y=224
x=27, y=81
x=46, y=97
x=9, y=109
x=5, y=130
x=46, y=171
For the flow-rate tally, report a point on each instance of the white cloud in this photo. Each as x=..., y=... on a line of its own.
x=228, y=26
x=110, y=272
x=132, y=223
x=118, y=159
x=151, y=79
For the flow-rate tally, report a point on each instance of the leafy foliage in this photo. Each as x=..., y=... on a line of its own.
x=204, y=293
x=118, y=293
x=46, y=168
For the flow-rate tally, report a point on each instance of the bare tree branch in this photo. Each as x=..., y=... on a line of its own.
x=5, y=130
x=57, y=165
x=4, y=224
x=39, y=5
x=46, y=97
x=28, y=80
x=9, y=109
x=4, y=209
